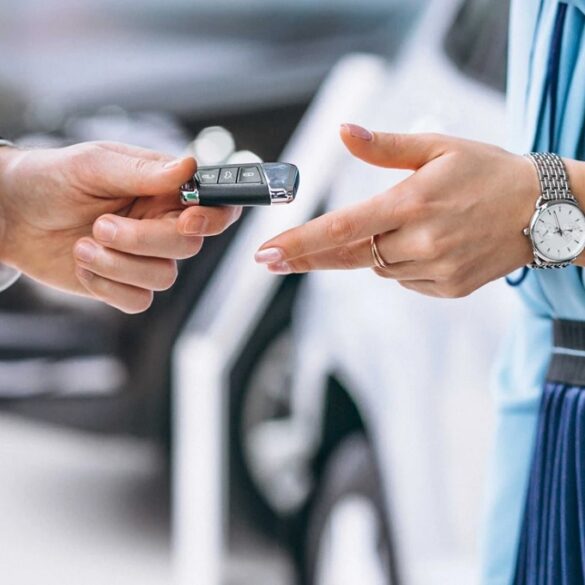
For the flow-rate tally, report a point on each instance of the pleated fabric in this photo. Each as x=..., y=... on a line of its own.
x=552, y=541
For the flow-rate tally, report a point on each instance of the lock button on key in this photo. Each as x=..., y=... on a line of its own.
x=207, y=176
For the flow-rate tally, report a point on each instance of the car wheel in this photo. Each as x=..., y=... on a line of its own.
x=263, y=461
x=348, y=537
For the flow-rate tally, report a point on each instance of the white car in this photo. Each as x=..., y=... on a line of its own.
x=361, y=413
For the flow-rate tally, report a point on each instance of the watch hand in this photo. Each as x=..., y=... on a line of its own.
x=558, y=224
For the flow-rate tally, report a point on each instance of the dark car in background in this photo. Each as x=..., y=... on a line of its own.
x=153, y=74
x=157, y=75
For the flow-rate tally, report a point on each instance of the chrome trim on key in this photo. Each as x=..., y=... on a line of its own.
x=190, y=193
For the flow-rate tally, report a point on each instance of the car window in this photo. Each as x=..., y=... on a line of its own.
x=478, y=41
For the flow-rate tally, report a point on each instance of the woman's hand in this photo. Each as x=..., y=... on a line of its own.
x=101, y=219
x=452, y=226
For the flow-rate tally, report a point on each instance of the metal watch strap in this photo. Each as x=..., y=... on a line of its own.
x=554, y=186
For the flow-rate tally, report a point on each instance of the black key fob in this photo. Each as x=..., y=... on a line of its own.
x=253, y=184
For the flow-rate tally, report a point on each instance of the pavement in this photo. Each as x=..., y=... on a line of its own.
x=77, y=508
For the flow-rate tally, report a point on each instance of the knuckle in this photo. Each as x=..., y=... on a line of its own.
x=393, y=141
x=443, y=248
x=139, y=239
x=81, y=161
x=426, y=244
x=141, y=169
x=340, y=230
x=347, y=257
x=140, y=164
x=414, y=206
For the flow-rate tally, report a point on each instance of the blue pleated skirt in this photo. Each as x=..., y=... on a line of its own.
x=552, y=542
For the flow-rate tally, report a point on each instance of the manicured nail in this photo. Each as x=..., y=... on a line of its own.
x=85, y=251
x=268, y=256
x=84, y=274
x=196, y=225
x=172, y=163
x=280, y=268
x=105, y=230
x=359, y=132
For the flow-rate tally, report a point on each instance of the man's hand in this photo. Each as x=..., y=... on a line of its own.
x=452, y=226
x=101, y=219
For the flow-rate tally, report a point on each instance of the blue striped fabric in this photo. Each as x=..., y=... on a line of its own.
x=546, y=112
x=552, y=544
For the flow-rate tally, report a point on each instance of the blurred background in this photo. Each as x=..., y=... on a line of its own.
x=248, y=428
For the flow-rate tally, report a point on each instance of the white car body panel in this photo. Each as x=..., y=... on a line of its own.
x=227, y=313
x=418, y=368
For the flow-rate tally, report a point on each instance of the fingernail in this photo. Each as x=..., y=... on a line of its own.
x=196, y=225
x=280, y=268
x=359, y=132
x=172, y=163
x=105, y=230
x=268, y=256
x=85, y=251
x=84, y=274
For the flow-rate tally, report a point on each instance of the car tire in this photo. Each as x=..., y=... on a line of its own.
x=272, y=332
x=349, y=494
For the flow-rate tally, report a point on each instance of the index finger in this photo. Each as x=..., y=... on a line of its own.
x=382, y=213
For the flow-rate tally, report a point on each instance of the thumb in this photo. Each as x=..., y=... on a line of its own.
x=114, y=173
x=397, y=151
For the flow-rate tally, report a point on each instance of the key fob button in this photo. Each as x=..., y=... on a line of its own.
x=249, y=175
x=208, y=176
x=228, y=176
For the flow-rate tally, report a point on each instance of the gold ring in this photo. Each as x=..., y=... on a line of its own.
x=378, y=259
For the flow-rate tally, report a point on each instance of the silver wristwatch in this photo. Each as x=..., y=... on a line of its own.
x=557, y=228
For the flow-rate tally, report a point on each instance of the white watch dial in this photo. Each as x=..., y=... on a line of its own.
x=558, y=231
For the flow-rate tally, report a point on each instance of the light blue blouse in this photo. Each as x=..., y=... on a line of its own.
x=546, y=294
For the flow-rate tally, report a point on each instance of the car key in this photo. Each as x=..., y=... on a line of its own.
x=248, y=184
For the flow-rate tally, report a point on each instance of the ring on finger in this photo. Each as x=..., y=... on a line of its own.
x=379, y=261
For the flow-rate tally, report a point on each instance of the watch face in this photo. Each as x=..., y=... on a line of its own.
x=558, y=231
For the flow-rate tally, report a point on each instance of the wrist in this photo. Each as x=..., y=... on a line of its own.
x=9, y=157
x=529, y=187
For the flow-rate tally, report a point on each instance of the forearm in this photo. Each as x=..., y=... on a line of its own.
x=9, y=155
x=8, y=274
